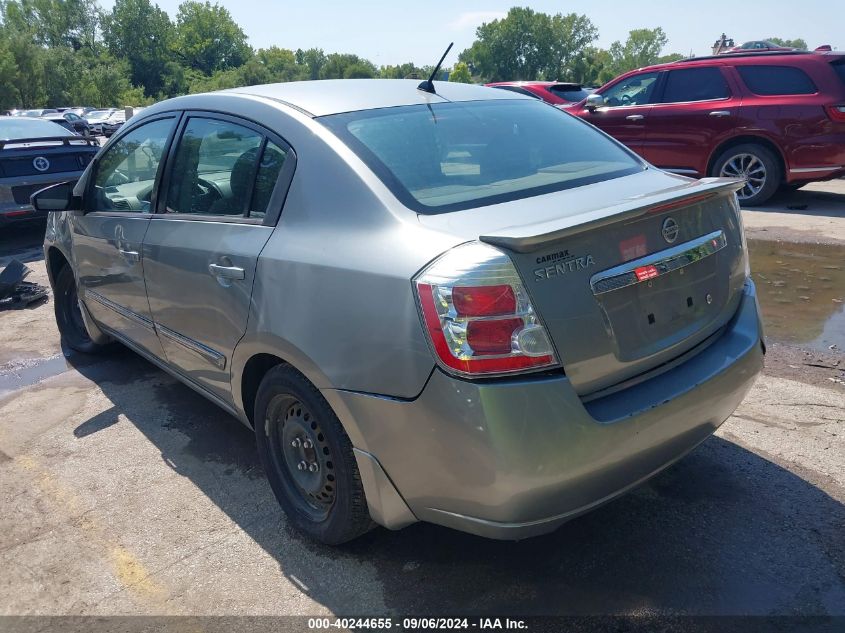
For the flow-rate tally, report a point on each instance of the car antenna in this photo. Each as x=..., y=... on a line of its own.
x=428, y=85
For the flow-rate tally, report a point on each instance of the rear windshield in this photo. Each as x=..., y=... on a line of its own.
x=571, y=93
x=14, y=128
x=452, y=156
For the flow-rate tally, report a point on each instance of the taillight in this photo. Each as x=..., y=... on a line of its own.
x=478, y=316
x=836, y=112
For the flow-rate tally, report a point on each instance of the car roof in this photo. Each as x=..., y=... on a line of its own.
x=333, y=96
x=747, y=57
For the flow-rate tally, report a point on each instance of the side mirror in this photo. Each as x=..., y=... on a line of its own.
x=57, y=197
x=594, y=101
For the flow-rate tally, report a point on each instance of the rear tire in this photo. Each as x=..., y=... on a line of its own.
x=757, y=164
x=308, y=459
x=69, y=315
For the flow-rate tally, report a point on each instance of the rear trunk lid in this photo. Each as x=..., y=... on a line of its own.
x=626, y=275
x=35, y=157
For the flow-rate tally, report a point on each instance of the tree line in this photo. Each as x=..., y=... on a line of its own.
x=72, y=52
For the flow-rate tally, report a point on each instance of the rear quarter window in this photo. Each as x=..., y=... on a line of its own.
x=776, y=80
x=839, y=67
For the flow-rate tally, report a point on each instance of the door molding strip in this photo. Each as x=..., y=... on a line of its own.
x=123, y=311
x=204, y=352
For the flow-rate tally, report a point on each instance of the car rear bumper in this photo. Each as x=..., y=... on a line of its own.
x=15, y=192
x=517, y=458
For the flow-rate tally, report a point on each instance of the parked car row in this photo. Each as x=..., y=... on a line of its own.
x=82, y=120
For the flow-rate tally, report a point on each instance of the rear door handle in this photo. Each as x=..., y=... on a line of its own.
x=130, y=256
x=226, y=272
x=720, y=113
x=635, y=117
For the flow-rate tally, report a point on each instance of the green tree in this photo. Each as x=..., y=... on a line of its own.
x=54, y=23
x=514, y=47
x=208, y=39
x=529, y=45
x=402, y=71
x=360, y=71
x=29, y=82
x=642, y=48
x=337, y=64
x=9, y=97
x=798, y=43
x=141, y=33
x=570, y=36
x=592, y=67
x=313, y=59
x=460, y=73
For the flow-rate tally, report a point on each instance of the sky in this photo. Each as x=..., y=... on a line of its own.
x=397, y=31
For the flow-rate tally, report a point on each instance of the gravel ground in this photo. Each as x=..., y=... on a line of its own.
x=123, y=492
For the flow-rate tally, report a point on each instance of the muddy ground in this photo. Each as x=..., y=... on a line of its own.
x=124, y=492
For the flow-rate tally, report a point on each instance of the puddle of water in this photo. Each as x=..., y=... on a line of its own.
x=802, y=292
x=30, y=372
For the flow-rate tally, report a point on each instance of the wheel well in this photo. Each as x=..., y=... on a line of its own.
x=254, y=371
x=741, y=140
x=55, y=262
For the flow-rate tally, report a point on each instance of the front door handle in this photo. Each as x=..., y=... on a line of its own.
x=226, y=272
x=635, y=117
x=130, y=256
x=720, y=113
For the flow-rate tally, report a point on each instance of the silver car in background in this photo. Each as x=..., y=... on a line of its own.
x=463, y=306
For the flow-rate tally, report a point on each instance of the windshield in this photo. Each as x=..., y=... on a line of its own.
x=18, y=128
x=452, y=156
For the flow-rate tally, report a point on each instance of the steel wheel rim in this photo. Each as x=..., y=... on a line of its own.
x=302, y=456
x=749, y=168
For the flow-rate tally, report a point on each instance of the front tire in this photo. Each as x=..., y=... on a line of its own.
x=308, y=459
x=69, y=315
x=757, y=165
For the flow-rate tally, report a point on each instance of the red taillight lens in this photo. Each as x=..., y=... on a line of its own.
x=477, y=314
x=492, y=337
x=484, y=300
x=836, y=112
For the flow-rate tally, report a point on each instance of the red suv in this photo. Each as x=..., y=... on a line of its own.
x=775, y=119
x=554, y=92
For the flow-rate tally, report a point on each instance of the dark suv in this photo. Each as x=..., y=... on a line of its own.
x=775, y=119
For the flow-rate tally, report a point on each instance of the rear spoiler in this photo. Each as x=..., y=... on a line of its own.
x=88, y=141
x=529, y=237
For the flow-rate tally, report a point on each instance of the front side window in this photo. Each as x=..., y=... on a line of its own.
x=451, y=156
x=214, y=169
x=695, y=84
x=635, y=90
x=127, y=170
x=776, y=80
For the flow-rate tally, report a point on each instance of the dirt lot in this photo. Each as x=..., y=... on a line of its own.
x=123, y=492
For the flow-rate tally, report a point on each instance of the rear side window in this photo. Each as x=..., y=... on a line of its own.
x=695, y=84
x=451, y=156
x=776, y=80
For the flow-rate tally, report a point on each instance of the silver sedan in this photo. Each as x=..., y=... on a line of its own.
x=450, y=304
